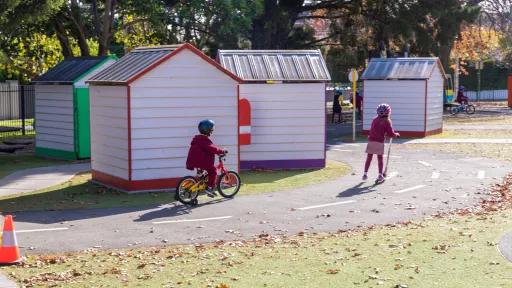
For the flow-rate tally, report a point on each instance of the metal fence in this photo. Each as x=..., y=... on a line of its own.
x=17, y=110
x=488, y=95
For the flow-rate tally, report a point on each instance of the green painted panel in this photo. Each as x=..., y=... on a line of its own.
x=54, y=153
x=82, y=123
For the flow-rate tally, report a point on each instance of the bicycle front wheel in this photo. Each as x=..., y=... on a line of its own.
x=470, y=109
x=184, y=192
x=229, y=184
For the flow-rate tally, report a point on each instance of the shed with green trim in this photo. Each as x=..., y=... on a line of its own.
x=62, y=120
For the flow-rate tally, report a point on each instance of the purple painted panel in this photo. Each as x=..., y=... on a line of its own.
x=283, y=164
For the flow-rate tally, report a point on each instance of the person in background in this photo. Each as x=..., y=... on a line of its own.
x=336, y=106
x=461, y=98
x=359, y=105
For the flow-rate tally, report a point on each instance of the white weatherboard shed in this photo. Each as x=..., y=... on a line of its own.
x=286, y=91
x=414, y=89
x=62, y=107
x=145, y=110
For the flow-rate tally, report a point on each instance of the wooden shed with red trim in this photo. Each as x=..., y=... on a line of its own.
x=414, y=89
x=145, y=109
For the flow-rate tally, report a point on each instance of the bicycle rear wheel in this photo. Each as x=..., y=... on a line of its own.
x=229, y=184
x=470, y=109
x=183, y=190
x=454, y=110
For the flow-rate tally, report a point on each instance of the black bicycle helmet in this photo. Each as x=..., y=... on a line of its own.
x=205, y=127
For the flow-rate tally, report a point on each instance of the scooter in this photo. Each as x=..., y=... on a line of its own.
x=385, y=174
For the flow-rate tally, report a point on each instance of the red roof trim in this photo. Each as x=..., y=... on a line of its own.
x=194, y=50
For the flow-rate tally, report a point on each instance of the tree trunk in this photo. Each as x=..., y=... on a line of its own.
x=105, y=36
x=78, y=23
x=63, y=39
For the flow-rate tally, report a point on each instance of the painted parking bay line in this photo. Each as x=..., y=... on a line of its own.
x=192, y=220
x=42, y=230
x=325, y=205
x=426, y=164
x=410, y=189
x=340, y=150
x=481, y=174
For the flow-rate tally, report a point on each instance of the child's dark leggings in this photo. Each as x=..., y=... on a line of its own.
x=369, y=158
x=212, y=176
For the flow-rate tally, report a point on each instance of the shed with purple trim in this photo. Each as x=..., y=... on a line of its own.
x=286, y=89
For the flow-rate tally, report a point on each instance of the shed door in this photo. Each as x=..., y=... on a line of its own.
x=82, y=123
x=244, y=120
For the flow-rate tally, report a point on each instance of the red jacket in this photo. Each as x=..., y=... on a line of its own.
x=202, y=153
x=381, y=127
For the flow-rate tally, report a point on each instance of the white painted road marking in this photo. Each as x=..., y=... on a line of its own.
x=192, y=220
x=325, y=205
x=340, y=150
x=425, y=163
x=481, y=174
x=410, y=189
x=392, y=175
x=42, y=230
x=352, y=144
x=435, y=175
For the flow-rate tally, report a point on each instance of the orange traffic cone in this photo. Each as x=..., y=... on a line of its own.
x=9, y=251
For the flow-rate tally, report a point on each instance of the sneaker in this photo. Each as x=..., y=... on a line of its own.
x=210, y=192
x=381, y=178
x=365, y=177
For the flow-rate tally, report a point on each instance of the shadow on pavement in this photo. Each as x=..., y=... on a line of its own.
x=175, y=209
x=357, y=190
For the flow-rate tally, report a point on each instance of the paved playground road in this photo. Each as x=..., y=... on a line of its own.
x=29, y=180
x=421, y=183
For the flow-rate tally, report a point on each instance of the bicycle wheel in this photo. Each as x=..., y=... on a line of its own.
x=183, y=193
x=229, y=184
x=470, y=109
x=454, y=110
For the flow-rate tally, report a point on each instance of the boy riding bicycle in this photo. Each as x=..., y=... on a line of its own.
x=202, y=154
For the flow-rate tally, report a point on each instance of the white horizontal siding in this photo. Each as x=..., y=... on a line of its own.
x=55, y=145
x=288, y=121
x=167, y=104
x=283, y=155
x=54, y=117
x=109, y=130
x=190, y=131
x=178, y=141
x=435, y=100
x=407, y=100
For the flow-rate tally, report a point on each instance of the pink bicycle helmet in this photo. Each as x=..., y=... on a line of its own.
x=383, y=110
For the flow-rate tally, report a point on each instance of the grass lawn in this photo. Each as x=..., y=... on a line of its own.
x=474, y=134
x=495, y=151
x=79, y=192
x=11, y=162
x=442, y=253
x=17, y=123
x=491, y=119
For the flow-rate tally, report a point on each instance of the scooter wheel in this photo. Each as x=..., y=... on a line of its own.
x=195, y=202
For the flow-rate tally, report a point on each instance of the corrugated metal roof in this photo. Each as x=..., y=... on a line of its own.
x=278, y=65
x=400, y=68
x=132, y=64
x=69, y=70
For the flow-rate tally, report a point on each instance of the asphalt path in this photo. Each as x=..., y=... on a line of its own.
x=420, y=183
